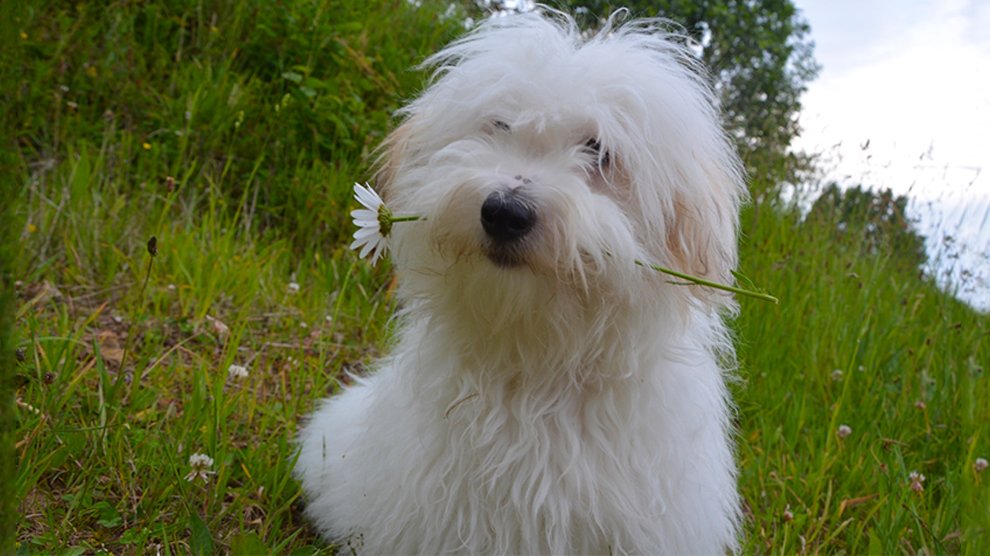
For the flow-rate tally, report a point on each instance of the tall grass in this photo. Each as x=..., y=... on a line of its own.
x=860, y=341
x=231, y=131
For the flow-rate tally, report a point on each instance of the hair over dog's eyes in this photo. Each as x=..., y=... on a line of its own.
x=500, y=125
x=602, y=156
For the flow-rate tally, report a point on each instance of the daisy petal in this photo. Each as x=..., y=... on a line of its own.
x=378, y=253
x=364, y=214
x=367, y=196
x=366, y=233
x=362, y=223
x=367, y=248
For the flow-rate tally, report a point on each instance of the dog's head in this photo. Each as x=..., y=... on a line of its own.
x=539, y=155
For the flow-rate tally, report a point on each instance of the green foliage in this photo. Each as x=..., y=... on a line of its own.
x=278, y=105
x=760, y=56
x=875, y=222
x=9, y=253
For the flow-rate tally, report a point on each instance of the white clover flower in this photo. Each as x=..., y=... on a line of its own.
x=293, y=287
x=200, y=460
x=237, y=371
x=980, y=465
x=373, y=222
x=837, y=375
x=200, y=464
x=917, y=481
x=844, y=431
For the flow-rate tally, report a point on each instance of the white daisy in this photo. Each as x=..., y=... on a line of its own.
x=370, y=236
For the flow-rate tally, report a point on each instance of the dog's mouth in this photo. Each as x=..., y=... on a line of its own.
x=505, y=255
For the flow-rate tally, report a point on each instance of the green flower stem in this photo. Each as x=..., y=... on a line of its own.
x=709, y=284
x=388, y=219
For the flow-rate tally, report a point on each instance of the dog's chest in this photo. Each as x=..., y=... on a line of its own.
x=559, y=463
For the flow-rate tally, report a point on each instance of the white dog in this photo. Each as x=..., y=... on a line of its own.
x=547, y=393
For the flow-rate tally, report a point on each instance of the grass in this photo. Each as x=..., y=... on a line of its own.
x=858, y=341
x=232, y=132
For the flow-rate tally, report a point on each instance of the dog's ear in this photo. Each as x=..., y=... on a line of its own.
x=702, y=239
x=391, y=156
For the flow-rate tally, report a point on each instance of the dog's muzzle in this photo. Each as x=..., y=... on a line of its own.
x=507, y=216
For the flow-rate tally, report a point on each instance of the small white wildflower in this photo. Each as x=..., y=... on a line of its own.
x=917, y=481
x=837, y=375
x=370, y=236
x=844, y=431
x=980, y=465
x=200, y=464
x=200, y=460
x=219, y=327
x=237, y=371
x=37, y=411
x=293, y=287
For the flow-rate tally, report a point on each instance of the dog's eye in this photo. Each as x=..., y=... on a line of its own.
x=501, y=126
x=602, y=156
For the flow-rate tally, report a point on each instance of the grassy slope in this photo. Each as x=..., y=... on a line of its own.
x=262, y=118
x=913, y=389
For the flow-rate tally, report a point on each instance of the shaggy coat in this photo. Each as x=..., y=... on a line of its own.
x=548, y=394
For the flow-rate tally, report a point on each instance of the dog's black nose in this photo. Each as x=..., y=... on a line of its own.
x=506, y=216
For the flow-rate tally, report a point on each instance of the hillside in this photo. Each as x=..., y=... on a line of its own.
x=233, y=141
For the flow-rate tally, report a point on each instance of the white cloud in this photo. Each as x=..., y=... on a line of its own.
x=913, y=78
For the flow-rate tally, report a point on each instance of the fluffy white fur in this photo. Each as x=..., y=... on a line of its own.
x=550, y=395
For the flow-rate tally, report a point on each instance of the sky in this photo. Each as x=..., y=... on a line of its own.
x=903, y=101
